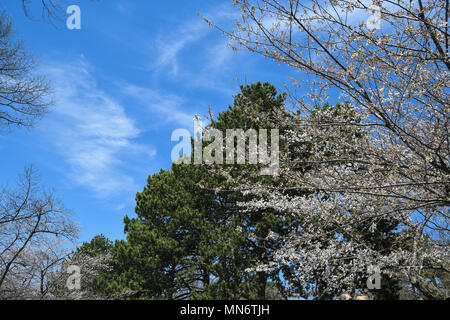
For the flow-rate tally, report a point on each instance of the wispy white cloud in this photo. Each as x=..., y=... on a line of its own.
x=167, y=108
x=170, y=44
x=124, y=8
x=222, y=54
x=173, y=58
x=93, y=132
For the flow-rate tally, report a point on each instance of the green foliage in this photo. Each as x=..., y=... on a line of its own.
x=98, y=245
x=181, y=239
x=190, y=240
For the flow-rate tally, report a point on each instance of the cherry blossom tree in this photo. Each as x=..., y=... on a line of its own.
x=90, y=266
x=385, y=159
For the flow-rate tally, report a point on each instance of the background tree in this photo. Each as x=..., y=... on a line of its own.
x=169, y=249
x=33, y=225
x=183, y=243
x=93, y=260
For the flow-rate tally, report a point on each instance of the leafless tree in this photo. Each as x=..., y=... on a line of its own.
x=90, y=267
x=51, y=11
x=24, y=97
x=33, y=227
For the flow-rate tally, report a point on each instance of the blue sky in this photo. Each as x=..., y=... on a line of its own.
x=136, y=71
